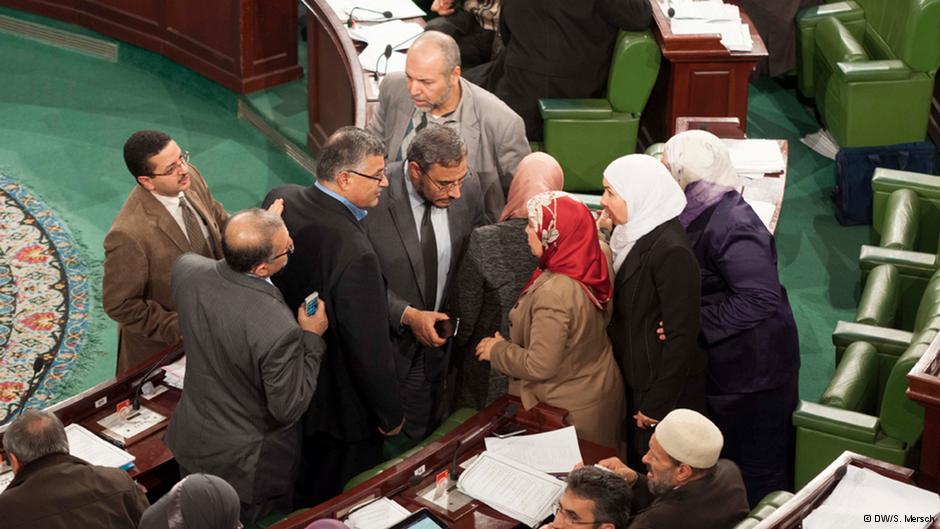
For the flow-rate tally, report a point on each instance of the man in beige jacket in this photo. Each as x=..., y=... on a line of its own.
x=168, y=213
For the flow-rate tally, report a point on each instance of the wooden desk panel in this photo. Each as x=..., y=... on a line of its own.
x=924, y=380
x=245, y=45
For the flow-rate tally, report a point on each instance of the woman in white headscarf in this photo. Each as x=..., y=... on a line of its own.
x=747, y=327
x=657, y=280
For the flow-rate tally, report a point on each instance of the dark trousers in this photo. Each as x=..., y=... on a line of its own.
x=328, y=463
x=422, y=393
x=759, y=436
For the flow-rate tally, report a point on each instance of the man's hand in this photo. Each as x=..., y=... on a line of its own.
x=661, y=331
x=396, y=431
x=421, y=323
x=277, y=207
x=443, y=7
x=618, y=467
x=644, y=422
x=485, y=347
x=318, y=323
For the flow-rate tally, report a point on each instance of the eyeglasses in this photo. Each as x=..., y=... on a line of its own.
x=447, y=186
x=288, y=251
x=562, y=513
x=378, y=177
x=174, y=167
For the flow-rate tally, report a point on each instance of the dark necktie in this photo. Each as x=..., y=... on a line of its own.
x=197, y=241
x=429, y=255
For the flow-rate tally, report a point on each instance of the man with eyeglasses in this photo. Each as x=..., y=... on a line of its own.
x=251, y=369
x=419, y=230
x=357, y=399
x=432, y=91
x=168, y=213
x=594, y=498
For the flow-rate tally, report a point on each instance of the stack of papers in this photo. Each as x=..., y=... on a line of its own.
x=764, y=210
x=5, y=479
x=823, y=143
x=374, y=10
x=175, y=373
x=755, y=157
x=710, y=17
x=516, y=490
x=380, y=514
x=88, y=446
x=553, y=452
x=864, y=491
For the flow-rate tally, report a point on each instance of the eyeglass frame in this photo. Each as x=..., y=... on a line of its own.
x=559, y=510
x=370, y=177
x=176, y=166
x=456, y=184
x=288, y=251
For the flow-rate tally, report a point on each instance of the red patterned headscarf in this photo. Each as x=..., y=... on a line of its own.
x=569, y=244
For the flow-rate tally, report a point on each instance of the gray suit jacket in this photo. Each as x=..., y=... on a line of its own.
x=250, y=374
x=394, y=235
x=494, y=134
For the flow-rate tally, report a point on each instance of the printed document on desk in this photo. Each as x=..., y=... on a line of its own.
x=514, y=489
x=553, y=452
x=395, y=33
x=755, y=156
x=380, y=514
x=372, y=10
x=88, y=446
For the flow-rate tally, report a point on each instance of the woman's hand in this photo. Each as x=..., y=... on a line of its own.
x=661, y=332
x=603, y=220
x=644, y=422
x=485, y=347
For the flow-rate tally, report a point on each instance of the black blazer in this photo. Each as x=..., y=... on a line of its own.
x=659, y=281
x=357, y=389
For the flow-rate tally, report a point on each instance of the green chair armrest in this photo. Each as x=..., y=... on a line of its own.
x=853, y=72
x=834, y=421
x=836, y=43
x=776, y=498
x=747, y=523
x=854, y=384
x=656, y=150
x=899, y=226
x=842, y=10
x=918, y=264
x=886, y=341
x=878, y=304
x=575, y=109
x=887, y=180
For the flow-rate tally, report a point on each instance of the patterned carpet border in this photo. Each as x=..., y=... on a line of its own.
x=41, y=265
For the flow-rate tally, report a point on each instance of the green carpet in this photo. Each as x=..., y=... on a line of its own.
x=65, y=118
x=67, y=115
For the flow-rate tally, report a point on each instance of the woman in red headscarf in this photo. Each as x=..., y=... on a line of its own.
x=558, y=351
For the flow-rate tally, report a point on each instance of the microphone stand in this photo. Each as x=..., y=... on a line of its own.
x=18, y=407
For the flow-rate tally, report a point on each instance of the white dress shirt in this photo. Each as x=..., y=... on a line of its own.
x=174, y=207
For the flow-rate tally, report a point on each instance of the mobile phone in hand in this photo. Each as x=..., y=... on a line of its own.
x=447, y=329
x=311, y=303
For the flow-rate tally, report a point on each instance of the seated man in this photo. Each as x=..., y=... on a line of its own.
x=54, y=490
x=473, y=27
x=685, y=478
x=431, y=90
x=593, y=497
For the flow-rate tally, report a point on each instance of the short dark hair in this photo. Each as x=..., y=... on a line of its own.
x=437, y=145
x=248, y=238
x=347, y=148
x=609, y=492
x=34, y=434
x=140, y=147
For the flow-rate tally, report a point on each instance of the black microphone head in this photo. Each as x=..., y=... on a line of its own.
x=387, y=14
x=38, y=363
x=671, y=12
x=840, y=472
x=388, y=51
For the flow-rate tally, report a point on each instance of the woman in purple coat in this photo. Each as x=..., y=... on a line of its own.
x=747, y=327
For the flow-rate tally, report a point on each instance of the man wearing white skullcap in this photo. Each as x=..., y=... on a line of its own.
x=685, y=479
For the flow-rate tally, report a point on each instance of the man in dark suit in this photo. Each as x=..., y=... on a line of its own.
x=251, y=368
x=419, y=230
x=357, y=394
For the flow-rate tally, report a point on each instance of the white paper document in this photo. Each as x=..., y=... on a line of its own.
x=553, y=452
x=755, y=156
x=5, y=480
x=121, y=429
x=822, y=142
x=514, y=489
x=374, y=10
x=88, y=446
x=380, y=514
x=864, y=492
x=175, y=373
x=706, y=10
x=396, y=33
x=764, y=210
x=373, y=59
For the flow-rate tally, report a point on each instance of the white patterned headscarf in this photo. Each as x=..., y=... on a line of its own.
x=652, y=196
x=701, y=164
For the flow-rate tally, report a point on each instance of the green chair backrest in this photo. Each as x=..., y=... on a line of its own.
x=634, y=67
x=929, y=308
x=902, y=418
x=910, y=28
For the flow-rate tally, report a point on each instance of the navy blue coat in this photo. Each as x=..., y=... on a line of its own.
x=746, y=323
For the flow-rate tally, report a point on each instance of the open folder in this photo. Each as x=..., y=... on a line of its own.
x=512, y=488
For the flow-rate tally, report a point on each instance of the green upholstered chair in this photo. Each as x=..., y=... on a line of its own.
x=871, y=64
x=764, y=508
x=454, y=420
x=859, y=412
x=585, y=135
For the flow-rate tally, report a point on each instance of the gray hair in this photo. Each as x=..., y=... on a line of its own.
x=346, y=149
x=34, y=434
x=444, y=44
x=248, y=238
x=437, y=145
x=609, y=492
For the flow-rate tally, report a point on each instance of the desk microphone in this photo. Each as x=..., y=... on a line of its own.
x=351, y=21
x=671, y=12
x=389, y=48
x=828, y=485
x=135, y=404
x=508, y=414
x=38, y=364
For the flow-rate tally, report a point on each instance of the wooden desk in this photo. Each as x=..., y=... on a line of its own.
x=768, y=189
x=924, y=388
x=462, y=443
x=791, y=514
x=154, y=467
x=245, y=45
x=698, y=77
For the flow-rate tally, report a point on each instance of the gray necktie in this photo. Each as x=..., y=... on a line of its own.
x=197, y=241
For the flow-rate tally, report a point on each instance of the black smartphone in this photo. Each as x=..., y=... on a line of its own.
x=447, y=329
